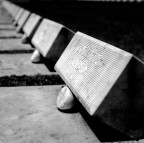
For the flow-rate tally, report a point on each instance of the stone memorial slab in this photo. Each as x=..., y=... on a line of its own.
x=15, y=11
x=31, y=25
x=51, y=39
x=24, y=16
x=107, y=81
x=18, y=15
x=22, y=20
x=9, y=7
x=29, y=114
x=4, y=16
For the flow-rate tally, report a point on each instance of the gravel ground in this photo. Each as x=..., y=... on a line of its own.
x=35, y=80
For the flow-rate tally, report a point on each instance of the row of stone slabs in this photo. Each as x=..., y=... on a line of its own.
x=18, y=126
x=29, y=114
x=47, y=36
x=4, y=16
x=13, y=57
x=75, y=62
x=37, y=119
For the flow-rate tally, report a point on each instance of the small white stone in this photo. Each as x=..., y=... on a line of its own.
x=65, y=99
x=36, y=57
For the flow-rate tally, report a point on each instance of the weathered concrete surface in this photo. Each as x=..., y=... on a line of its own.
x=7, y=27
x=20, y=64
x=9, y=34
x=5, y=19
x=4, y=16
x=13, y=44
x=29, y=114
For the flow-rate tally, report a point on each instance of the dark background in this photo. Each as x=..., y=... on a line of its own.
x=118, y=23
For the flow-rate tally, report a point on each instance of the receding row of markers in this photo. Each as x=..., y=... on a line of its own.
x=71, y=54
x=61, y=46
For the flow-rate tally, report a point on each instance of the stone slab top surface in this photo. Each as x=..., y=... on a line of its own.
x=29, y=114
x=31, y=24
x=46, y=35
x=17, y=17
x=23, y=17
x=20, y=64
x=90, y=67
x=13, y=44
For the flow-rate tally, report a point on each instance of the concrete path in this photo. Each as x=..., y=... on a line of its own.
x=29, y=114
x=20, y=64
x=4, y=16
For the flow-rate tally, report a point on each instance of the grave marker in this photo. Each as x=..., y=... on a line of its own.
x=15, y=12
x=22, y=20
x=51, y=39
x=18, y=15
x=6, y=7
x=107, y=81
x=31, y=25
